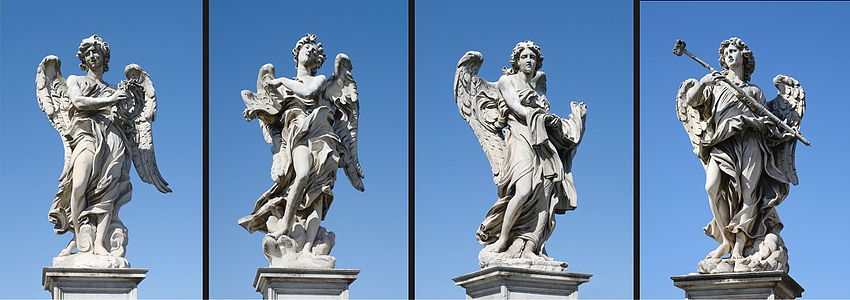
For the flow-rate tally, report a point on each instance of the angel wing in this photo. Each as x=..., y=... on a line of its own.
x=341, y=90
x=789, y=105
x=265, y=103
x=53, y=100
x=135, y=117
x=691, y=117
x=480, y=103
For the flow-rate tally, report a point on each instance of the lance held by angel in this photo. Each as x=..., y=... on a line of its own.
x=104, y=128
x=530, y=150
x=746, y=145
x=311, y=123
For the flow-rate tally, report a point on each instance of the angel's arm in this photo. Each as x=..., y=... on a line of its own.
x=91, y=103
x=509, y=93
x=300, y=89
x=696, y=94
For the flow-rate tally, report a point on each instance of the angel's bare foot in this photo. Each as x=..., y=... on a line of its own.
x=499, y=245
x=100, y=250
x=720, y=251
x=737, y=251
x=68, y=250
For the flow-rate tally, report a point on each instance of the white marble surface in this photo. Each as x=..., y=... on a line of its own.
x=289, y=283
x=521, y=283
x=93, y=283
x=740, y=285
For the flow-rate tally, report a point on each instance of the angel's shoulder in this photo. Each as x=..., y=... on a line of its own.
x=504, y=80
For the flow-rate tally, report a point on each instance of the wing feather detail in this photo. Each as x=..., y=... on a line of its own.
x=52, y=94
x=789, y=105
x=136, y=116
x=341, y=90
x=481, y=105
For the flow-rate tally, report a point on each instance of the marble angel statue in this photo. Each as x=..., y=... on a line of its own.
x=530, y=150
x=311, y=123
x=104, y=129
x=747, y=155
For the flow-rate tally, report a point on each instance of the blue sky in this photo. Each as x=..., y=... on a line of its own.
x=587, y=46
x=371, y=227
x=164, y=37
x=802, y=40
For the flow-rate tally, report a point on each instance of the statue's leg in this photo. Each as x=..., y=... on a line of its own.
x=302, y=160
x=79, y=182
x=313, y=222
x=749, y=182
x=102, y=228
x=713, y=180
x=522, y=191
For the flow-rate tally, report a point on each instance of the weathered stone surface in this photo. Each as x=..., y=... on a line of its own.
x=104, y=129
x=311, y=123
x=289, y=283
x=746, y=145
x=530, y=150
x=521, y=283
x=739, y=285
x=92, y=283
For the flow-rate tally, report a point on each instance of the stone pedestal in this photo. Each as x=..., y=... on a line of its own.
x=520, y=283
x=85, y=283
x=745, y=285
x=287, y=283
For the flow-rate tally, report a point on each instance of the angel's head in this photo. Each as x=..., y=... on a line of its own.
x=733, y=53
x=309, y=52
x=526, y=57
x=93, y=53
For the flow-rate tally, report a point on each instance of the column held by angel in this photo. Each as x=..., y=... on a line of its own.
x=530, y=150
x=104, y=129
x=311, y=123
x=749, y=160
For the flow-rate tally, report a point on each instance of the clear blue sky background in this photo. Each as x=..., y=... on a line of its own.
x=164, y=37
x=804, y=40
x=587, y=49
x=370, y=227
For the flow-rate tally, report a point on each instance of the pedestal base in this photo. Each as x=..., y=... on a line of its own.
x=85, y=283
x=746, y=285
x=288, y=283
x=519, y=283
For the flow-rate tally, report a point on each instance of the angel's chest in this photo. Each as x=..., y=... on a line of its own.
x=91, y=88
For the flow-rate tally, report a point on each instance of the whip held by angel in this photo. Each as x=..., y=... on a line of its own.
x=748, y=156
x=311, y=123
x=530, y=150
x=104, y=128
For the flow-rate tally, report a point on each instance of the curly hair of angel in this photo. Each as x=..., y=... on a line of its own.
x=98, y=43
x=310, y=39
x=749, y=64
x=515, y=57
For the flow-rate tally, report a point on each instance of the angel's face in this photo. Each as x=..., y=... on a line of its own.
x=93, y=58
x=527, y=61
x=733, y=56
x=308, y=55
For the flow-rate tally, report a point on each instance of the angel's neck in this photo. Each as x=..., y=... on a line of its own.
x=735, y=73
x=302, y=71
x=96, y=75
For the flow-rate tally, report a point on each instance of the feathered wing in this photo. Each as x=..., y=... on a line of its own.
x=789, y=105
x=264, y=104
x=691, y=118
x=53, y=100
x=135, y=116
x=480, y=103
x=341, y=90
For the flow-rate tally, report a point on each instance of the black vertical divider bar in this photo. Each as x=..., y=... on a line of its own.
x=206, y=149
x=636, y=147
x=411, y=182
